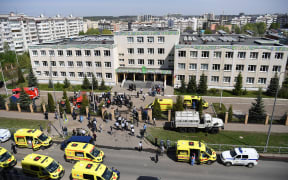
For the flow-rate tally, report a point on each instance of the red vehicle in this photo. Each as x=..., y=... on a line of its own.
x=31, y=91
x=77, y=101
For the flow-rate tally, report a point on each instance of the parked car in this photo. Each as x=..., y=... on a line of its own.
x=5, y=135
x=84, y=139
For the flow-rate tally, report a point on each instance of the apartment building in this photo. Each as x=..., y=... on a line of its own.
x=222, y=57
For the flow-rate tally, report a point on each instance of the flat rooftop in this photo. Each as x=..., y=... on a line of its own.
x=218, y=39
x=100, y=39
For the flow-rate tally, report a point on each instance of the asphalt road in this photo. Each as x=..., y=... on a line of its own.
x=133, y=164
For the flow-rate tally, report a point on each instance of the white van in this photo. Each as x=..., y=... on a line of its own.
x=240, y=156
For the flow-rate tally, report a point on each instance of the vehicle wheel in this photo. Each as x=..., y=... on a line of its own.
x=228, y=164
x=209, y=162
x=42, y=147
x=214, y=130
x=250, y=165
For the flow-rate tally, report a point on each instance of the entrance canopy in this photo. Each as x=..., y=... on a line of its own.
x=143, y=70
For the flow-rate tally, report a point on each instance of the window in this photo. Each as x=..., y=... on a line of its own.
x=193, y=54
x=251, y=68
x=216, y=67
x=181, y=53
x=89, y=74
x=226, y=79
x=227, y=67
x=107, y=64
x=276, y=68
x=140, y=39
x=35, y=53
x=140, y=50
x=160, y=61
x=51, y=53
x=106, y=52
x=140, y=61
x=60, y=52
x=239, y=67
x=130, y=50
x=245, y=157
x=79, y=64
x=217, y=54
x=53, y=63
x=34, y=168
x=122, y=65
x=181, y=66
x=108, y=75
x=278, y=55
x=88, y=176
x=214, y=78
x=78, y=53
x=61, y=63
x=161, y=50
x=131, y=61
x=261, y=80
x=80, y=74
x=130, y=39
x=253, y=55
x=192, y=66
x=150, y=50
x=43, y=53
x=79, y=154
x=70, y=63
x=87, y=53
x=121, y=60
x=150, y=39
x=38, y=73
x=161, y=39
x=180, y=77
x=98, y=75
x=88, y=64
x=97, y=53
x=241, y=55
x=192, y=77
x=36, y=63
x=72, y=74
x=45, y=63
x=54, y=74
x=98, y=64
x=69, y=53
x=150, y=62
x=266, y=55
x=63, y=74
x=205, y=54
x=229, y=54
x=264, y=68
x=204, y=67
x=250, y=80
x=46, y=73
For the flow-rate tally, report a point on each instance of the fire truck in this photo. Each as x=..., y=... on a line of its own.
x=32, y=92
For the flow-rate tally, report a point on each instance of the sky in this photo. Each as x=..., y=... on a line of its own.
x=141, y=7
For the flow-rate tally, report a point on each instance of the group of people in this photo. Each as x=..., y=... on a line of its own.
x=157, y=89
x=122, y=124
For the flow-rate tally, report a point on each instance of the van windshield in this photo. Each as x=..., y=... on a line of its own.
x=52, y=167
x=5, y=156
x=42, y=137
x=107, y=174
x=95, y=152
x=233, y=153
x=208, y=151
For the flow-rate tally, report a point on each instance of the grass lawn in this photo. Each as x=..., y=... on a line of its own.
x=14, y=124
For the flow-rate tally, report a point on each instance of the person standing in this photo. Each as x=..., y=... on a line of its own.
x=192, y=159
x=13, y=148
x=100, y=128
x=140, y=146
x=94, y=136
x=143, y=97
x=144, y=128
x=156, y=156
x=111, y=130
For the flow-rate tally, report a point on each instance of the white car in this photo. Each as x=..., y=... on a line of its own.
x=240, y=156
x=4, y=135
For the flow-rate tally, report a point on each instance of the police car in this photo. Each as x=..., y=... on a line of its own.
x=240, y=156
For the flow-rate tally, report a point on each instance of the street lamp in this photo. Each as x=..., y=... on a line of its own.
x=3, y=79
x=272, y=116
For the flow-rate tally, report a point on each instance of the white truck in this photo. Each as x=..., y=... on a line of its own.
x=189, y=121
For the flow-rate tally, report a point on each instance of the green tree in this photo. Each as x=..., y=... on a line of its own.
x=68, y=107
x=64, y=95
x=230, y=114
x=202, y=86
x=84, y=104
x=32, y=80
x=257, y=112
x=274, y=26
x=92, y=31
x=188, y=29
x=238, y=86
x=81, y=33
x=6, y=47
x=283, y=92
x=261, y=28
x=179, y=104
x=20, y=76
x=274, y=84
x=24, y=100
x=207, y=31
x=156, y=111
x=236, y=29
x=106, y=31
x=94, y=82
x=86, y=83
x=66, y=83
x=102, y=86
x=200, y=108
x=50, y=84
x=51, y=103
x=24, y=61
x=182, y=88
x=2, y=102
x=192, y=86
x=58, y=86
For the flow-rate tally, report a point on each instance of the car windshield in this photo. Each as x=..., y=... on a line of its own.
x=95, y=152
x=52, y=167
x=42, y=137
x=5, y=156
x=208, y=150
x=233, y=153
x=107, y=174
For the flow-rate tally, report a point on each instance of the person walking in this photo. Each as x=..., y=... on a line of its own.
x=154, y=121
x=13, y=148
x=132, y=131
x=100, y=128
x=143, y=97
x=144, y=128
x=94, y=136
x=140, y=146
x=156, y=156
x=111, y=130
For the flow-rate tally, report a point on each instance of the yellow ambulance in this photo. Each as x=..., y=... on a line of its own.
x=41, y=166
x=165, y=104
x=91, y=170
x=192, y=101
x=201, y=152
x=6, y=158
x=76, y=151
x=32, y=138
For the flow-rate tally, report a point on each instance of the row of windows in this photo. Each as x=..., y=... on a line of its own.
x=150, y=39
x=73, y=74
x=228, y=67
x=142, y=62
x=149, y=50
x=70, y=53
x=228, y=54
x=226, y=79
x=72, y=64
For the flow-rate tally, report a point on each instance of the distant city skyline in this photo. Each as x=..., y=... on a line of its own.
x=136, y=7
